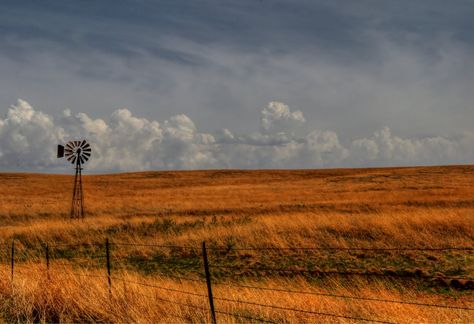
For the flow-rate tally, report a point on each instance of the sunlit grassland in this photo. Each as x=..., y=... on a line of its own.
x=426, y=207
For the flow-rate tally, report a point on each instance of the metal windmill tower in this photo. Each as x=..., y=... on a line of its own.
x=76, y=152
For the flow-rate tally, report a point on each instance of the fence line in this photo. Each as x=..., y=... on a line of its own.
x=88, y=275
x=76, y=244
x=245, y=316
x=300, y=310
x=346, y=296
x=202, y=308
x=159, y=287
x=183, y=278
x=343, y=249
x=51, y=261
x=341, y=273
x=172, y=301
x=455, y=248
x=156, y=245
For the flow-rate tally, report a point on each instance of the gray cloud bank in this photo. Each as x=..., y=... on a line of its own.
x=351, y=66
x=124, y=142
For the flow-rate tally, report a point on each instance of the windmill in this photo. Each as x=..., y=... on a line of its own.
x=76, y=152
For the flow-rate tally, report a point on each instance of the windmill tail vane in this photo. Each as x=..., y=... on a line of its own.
x=77, y=153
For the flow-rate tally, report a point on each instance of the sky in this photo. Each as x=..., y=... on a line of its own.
x=236, y=84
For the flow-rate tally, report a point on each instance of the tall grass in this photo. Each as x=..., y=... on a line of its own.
x=428, y=207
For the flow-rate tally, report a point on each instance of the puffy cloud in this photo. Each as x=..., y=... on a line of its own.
x=384, y=148
x=126, y=142
x=324, y=148
x=27, y=138
x=183, y=147
x=277, y=117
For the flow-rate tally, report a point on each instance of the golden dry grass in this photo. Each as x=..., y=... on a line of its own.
x=426, y=207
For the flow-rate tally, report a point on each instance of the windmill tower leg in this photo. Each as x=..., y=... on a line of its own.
x=82, y=194
x=77, y=207
x=74, y=191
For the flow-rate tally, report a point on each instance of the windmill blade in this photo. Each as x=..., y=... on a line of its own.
x=72, y=158
x=70, y=145
x=81, y=159
x=86, y=151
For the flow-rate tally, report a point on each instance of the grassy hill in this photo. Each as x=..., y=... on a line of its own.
x=257, y=225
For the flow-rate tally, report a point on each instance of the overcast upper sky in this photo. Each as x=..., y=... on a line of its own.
x=237, y=84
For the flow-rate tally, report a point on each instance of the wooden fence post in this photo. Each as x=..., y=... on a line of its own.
x=107, y=254
x=208, y=281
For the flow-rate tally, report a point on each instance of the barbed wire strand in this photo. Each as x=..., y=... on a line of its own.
x=70, y=257
x=158, y=287
x=302, y=310
x=342, y=273
x=183, y=278
x=245, y=316
x=124, y=267
x=74, y=244
x=342, y=249
x=171, y=301
x=347, y=296
x=88, y=275
x=156, y=245
x=301, y=248
x=202, y=308
x=155, y=265
x=121, y=257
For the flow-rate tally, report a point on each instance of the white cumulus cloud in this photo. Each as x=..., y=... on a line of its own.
x=122, y=141
x=27, y=138
x=277, y=117
x=384, y=148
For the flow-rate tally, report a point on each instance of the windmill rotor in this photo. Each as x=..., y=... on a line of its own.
x=77, y=152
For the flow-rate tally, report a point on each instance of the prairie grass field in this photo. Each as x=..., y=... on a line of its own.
x=338, y=245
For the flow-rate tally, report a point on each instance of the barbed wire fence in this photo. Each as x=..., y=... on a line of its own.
x=99, y=255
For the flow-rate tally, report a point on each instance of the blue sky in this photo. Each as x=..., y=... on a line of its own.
x=352, y=68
